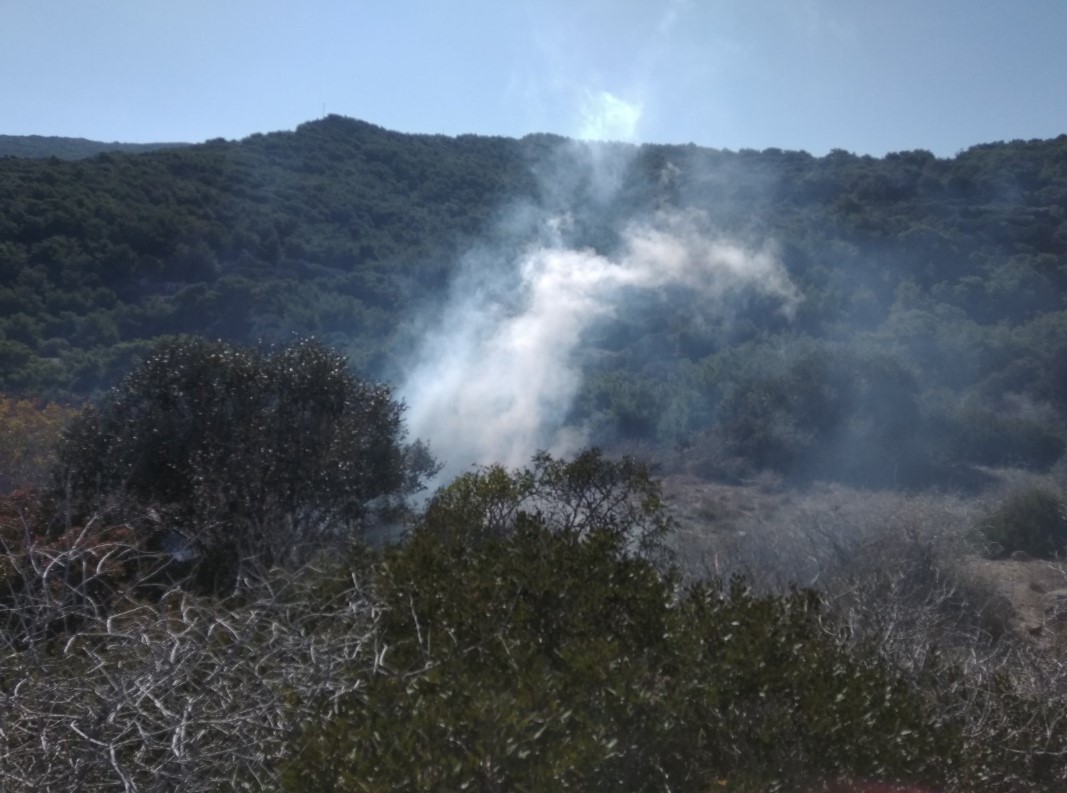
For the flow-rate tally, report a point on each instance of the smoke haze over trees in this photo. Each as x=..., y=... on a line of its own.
x=214, y=576
x=905, y=309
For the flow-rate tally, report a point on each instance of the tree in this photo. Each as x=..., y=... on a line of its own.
x=235, y=455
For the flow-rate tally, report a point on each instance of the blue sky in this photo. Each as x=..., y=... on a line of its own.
x=868, y=76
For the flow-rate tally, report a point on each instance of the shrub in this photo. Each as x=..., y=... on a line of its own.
x=29, y=431
x=188, y=694
x=587, y=495
x=550, y=654
x=1032, y=520
x=987, y=437
x=245, y=455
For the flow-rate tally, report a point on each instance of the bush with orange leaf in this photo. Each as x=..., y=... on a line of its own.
x=29, y=432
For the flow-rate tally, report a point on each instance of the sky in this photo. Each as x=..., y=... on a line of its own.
x=867, y=76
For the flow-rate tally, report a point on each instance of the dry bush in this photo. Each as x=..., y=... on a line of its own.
x=175, y=694
x=863, y=550
x=1024, y=511
x=896, y=568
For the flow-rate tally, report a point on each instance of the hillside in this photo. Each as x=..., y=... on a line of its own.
x=42, y=146
x=325, y=230
x=821, y=549
x=924, y=333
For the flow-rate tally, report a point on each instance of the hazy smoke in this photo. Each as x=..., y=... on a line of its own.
x=495, y=381
x=605, y=116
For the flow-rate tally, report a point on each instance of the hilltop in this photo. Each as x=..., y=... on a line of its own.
x=43, y=146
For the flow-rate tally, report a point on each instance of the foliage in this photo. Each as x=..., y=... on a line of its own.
x=540, y=656
x=520, y=638
x=588, y=495
x=899, y=570
x=67, y=148
x=1032, y=520
x=29, y=432
x=251, y=457
x=331, y=231
x=950, y=271
x=998, y=438
x=822, y=410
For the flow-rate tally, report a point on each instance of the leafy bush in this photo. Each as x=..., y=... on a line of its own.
x=1032, y=520
x=549, y=654
x=245, y=455
x=588, y=495
x=521, y=639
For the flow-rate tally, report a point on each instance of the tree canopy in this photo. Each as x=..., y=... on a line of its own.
x=246, y=455
x=948, y=272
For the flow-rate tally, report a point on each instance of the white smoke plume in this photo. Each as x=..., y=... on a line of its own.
x=495, y=382
x=605, y=116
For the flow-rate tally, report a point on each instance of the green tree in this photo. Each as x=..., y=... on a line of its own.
x=251, y=456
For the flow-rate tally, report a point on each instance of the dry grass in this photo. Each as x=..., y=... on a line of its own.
x=907, y=573
x=906, y=569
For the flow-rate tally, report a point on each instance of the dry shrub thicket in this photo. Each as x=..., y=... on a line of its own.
x=112, y=680
x=154, y=689
x=899, y=570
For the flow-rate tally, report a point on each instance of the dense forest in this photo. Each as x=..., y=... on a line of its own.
x=217, y=569
x=42, y=146
x=929, y=328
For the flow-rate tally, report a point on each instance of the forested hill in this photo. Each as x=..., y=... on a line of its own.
x=69, y=148
x=328, y=230
x=932, y=288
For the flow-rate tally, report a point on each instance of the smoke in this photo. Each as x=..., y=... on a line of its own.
x=496, y=380
x=605, y=116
